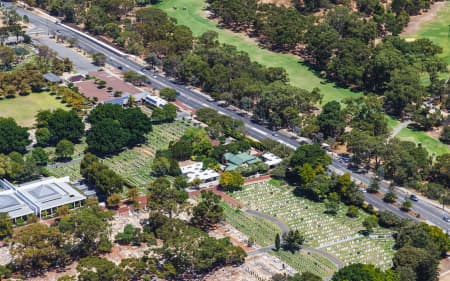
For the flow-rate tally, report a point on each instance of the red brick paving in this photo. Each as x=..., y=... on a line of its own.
x=89, y=89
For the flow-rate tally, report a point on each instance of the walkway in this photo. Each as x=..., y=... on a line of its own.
x=284, y=228
x=397, y=129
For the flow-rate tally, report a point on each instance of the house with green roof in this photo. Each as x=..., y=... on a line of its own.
x=233, y=161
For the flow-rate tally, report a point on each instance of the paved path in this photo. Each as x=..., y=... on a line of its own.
x=340, y=241
x=284, y=228
x=398, y=128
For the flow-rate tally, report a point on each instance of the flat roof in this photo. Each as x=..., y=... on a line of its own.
x=50, y=192
x=51, y=77
x=15, y=207
x=195, y=170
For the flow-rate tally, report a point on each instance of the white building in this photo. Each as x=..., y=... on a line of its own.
x=195, y=171
x=155, y=101
x=42, y=197
x=271, y=159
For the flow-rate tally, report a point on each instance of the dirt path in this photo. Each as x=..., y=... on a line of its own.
x=416, y=21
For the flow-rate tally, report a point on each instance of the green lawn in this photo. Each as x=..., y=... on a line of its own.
x=24, y=108
x=299, y=74
x=438, y=31
x=431, y=144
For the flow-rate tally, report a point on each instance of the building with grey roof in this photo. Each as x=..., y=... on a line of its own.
x=43, y=197
x=15, y=207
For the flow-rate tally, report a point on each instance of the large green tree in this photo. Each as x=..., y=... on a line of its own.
x=12, y=136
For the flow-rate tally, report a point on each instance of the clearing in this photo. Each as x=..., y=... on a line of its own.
x=433, y=25
x=24, y=108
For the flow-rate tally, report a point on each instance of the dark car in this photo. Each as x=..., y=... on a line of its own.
x=414, y=198
x=445, y=218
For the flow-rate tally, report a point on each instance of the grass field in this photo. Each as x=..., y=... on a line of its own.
x=24, y=108
x=300, y=75
x=431, y=144
x=438, y=31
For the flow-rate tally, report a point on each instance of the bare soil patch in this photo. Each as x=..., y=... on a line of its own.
x=416, y=21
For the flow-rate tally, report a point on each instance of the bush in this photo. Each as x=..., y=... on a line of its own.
x=390, y=197
x=352, y=212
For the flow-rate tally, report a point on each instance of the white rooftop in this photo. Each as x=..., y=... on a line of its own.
x=50, y=192
x=271, y=159
x=15, y=207
x=195, y=170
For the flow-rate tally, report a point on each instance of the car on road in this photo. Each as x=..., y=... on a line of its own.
x=58, y=22
x=274, y=134
x=210, y=99
x=120, y=67
x=414, y=198
x=446, y=218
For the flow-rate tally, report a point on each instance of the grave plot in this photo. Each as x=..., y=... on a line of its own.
x=304, y=261
x=365, y=250
x=134, y=164
x=262, y=231
x=320, y=229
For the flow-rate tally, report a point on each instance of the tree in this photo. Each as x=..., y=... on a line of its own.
x=292, y=240
x=277, y=242
x=363, y=272
x=96, y=268
x=130, y=235
x=312, y=154
x=445, y=135
x=133, y=196
x=38, y=247
x=168, y=94
x=390, y=197
x=134, y=78
x=231, y=181
x=370, y=223
x=114, y=200
x=12, y=136
x=89, y=228
x=353, y=212
x=374, y=186
x=406, y=205
x=331, y=120
x=6, y=226
x=99, y=59
x=72, y=41
x=43, y=136
x=163, y=198
x=64, y=149
x=416, y=264
x=65, y=125
x=40, y=156
x=208, y=212
x=332, y=203
x=98, y=174
x=107, y=137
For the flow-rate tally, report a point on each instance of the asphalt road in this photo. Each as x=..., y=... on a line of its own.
x=195, y=100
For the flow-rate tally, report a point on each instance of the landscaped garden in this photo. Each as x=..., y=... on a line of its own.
x=24, y=108
x=134, y=164
x=337, y=234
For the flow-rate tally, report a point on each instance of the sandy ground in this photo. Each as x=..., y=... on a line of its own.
x=416, y=21
x=444, y=268
x=255, y=268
